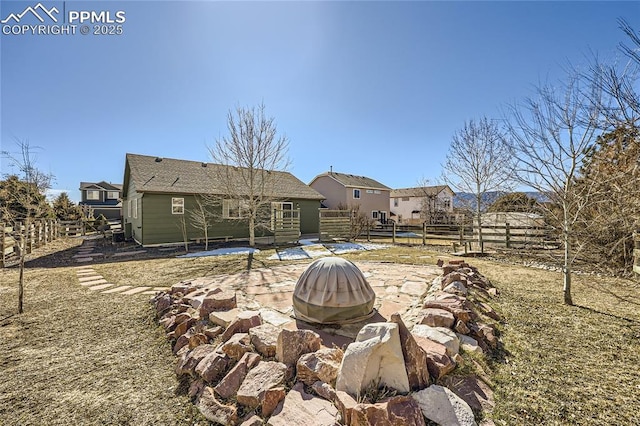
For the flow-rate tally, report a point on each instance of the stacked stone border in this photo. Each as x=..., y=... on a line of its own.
x=243, y=367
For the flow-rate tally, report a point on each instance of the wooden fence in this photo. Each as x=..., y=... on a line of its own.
x=285, y=225
x=335, y=224
x=37, y=234
x=464, y=235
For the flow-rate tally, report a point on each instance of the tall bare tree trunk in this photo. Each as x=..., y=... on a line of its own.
x=252, y=230
x=479, y=219
x=23, y=250
x=566, y=268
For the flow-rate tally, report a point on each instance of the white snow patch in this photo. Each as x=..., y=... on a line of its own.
x=222, y=252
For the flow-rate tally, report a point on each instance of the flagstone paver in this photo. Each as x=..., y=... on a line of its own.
x=100, y=287
x=119, y=289
x=136, y=290
x=89, y=278
x=94, y=282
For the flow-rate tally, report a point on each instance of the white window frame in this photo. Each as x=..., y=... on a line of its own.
x=177, y=205
x=395, y=202
x=354, y=194
x=230, y=204
x=110, y=195
x=93, y=195
x=135, y=208
x=374, y=214
x=128, y=208
x=369, y=191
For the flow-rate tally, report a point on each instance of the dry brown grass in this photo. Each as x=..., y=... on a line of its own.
x=76, y=357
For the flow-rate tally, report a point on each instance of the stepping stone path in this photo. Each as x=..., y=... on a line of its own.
x=90, y=279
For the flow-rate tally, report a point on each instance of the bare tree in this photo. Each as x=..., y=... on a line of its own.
x=550, y=135
x=29, y=201
x=252, y=152
x=201, y=217
x=432, y=208
x=479, y=162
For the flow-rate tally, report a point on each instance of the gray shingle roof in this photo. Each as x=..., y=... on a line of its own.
x=168, y=175
x=418, y=191
x=103, y=185
x=354, y=181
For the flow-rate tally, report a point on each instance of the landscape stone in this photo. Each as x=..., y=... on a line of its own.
x=454, y=304
x=214, y=410
x=264, y=376
x=461, y=328
x=375, y=357
x=292, y=344
x=435, y=317
x=217, y=301
x=438, y=362
x=223, y=318
x=469, y=344
x=190, y=359
x=444, y=407
x=264, y=339
x=271, y=399
x=213, y=332
x=252, y=420
x=441, y=335
x=394, y=411
x=237, y=346
x=162, y=302
x=415, y=358
x=456, y=287
x=324, y=390
x=473, y=391
x=183, y=326
x=196, y=387
x=301, y=408
x=230, y=384
x=345, y=404
x=242, y=324
x=213, y=366
x=321, y=365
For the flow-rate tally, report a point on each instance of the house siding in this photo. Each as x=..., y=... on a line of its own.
x=163, y=227
x=333, y=191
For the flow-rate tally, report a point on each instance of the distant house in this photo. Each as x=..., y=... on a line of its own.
x=341, y=189
x=431, y=204
x=159, y=193
x=104, y=198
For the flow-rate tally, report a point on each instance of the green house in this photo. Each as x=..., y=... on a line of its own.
x=162, y=198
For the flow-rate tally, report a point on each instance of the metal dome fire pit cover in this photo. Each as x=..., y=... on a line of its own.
x=333, y=290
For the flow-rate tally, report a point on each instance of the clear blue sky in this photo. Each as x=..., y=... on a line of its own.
x=370, y=88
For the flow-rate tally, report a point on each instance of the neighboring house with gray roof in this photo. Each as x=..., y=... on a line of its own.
x=103, y=197
x=158, y=194
x=431, y=204
x=341, y=189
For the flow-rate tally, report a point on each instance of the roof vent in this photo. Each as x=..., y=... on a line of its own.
x=204, y=164
x=158, y=159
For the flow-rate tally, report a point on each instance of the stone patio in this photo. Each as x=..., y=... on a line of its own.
x=398, y=288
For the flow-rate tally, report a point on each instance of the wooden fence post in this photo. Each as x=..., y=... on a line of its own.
x=2, y=247
x=424, y=233
x=394, y=233
x=507, y=235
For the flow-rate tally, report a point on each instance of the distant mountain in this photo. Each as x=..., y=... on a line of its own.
x=468, y=199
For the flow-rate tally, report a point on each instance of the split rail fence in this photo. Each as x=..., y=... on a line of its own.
x=38, y=234
x=466, y=236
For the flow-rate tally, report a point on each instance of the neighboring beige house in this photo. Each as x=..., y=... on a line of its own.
x=431, y=204
x=341, y=189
